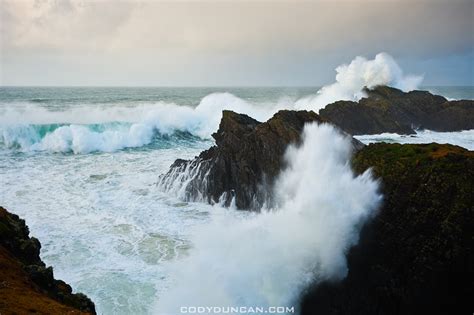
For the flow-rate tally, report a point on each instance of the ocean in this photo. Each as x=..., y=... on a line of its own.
x=81, y=164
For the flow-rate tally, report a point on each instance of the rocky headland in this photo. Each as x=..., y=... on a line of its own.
x=248, y=154
x=386, y=109
x=247, y=157
x=27, y=285
x=243, y=164
x=415, y=257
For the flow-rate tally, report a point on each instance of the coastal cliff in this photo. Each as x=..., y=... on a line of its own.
x=248, y=154
x=26, y=285
x=386, y=109
x=243, y=164
x=417, y=255
x=247, y=157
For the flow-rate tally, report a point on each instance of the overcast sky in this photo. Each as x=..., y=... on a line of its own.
x=244, y=43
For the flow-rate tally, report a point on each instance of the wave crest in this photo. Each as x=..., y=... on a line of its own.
x=269, y=258
x=361, y=73
x=144, y=121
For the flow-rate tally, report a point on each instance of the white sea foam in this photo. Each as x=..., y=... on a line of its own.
x=146, y=120
x=120, y=127
x=463, y=138
x=267, y=259
x=361, y=72
x=102, y=224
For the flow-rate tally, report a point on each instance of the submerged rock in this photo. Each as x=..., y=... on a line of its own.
x=387, y=109
x=243, y=164
x=417, y=255
x=26, y=284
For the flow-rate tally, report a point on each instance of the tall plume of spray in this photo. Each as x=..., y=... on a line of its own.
x=267, y=259
x=352, y=78
x=148, y=120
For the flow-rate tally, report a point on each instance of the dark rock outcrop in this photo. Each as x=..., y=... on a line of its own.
x=245, y=161
x=387, y=109
x=417, y=255
x=26, y=284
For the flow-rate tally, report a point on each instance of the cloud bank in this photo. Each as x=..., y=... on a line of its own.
x=227, y=42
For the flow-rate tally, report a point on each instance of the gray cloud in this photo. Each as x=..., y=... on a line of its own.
x=227, y=42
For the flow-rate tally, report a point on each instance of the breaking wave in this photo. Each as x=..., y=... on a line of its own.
x=351, y=80
x=90, y=128
x=268, y=259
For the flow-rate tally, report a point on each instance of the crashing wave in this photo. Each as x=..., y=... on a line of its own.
x=269, y=258
x=136, y=126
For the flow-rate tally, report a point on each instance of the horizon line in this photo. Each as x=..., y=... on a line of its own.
x=199, y=86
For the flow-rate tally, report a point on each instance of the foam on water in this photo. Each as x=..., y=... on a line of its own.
x=108, y=230
x=88, y=129
x=463, y=138
x=103, y=225
x=19, y=124
x=268, y=259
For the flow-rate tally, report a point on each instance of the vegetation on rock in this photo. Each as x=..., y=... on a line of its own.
x=417, y=255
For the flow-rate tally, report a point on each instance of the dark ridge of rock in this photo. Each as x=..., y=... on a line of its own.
x=387, y=109
x=26, y=284
x=417, y=255
x=247, y=158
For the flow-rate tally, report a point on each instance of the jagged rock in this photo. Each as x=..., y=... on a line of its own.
x=387, y=109
x=244, y=163
x=417, y=255
x=26, y=284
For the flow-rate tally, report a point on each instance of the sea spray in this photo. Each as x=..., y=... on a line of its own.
x=177, y=181
x=267, y=259
x=135, y=126
x=91, y=209
x=89, y=129
x=351, y=79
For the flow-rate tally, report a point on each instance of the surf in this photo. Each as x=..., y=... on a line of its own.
x=267, y=259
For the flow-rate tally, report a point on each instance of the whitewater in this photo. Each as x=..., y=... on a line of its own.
x=81, y=166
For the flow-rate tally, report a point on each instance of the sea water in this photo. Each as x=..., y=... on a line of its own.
x=81, y=166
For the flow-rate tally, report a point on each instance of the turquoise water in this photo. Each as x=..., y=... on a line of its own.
x=84, y=120
x=81, y=166
x=107, y=119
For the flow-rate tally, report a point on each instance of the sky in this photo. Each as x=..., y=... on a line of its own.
x=229, y=42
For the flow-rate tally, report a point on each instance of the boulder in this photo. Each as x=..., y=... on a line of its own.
x=387, y=109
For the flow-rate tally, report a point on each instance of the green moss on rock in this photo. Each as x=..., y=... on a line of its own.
x=416, y=256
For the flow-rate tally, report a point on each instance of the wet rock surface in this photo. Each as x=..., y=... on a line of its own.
x=27, y=285
x=387, y=109
x=243, y=164
x=417, y=255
